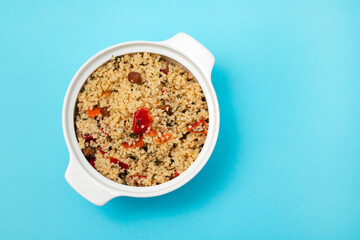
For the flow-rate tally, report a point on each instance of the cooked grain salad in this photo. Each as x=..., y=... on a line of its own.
x=141, y=120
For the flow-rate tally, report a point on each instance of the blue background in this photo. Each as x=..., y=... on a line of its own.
x=286, y=164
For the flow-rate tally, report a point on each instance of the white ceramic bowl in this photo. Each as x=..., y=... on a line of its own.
x=81, y=175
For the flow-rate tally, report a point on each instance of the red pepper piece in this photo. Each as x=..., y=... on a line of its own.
x=139, y=176
x=102, y=152
x=91, y=160
x=199, y=127
x=164, y=71
x=102, y=129
x=88, y=138
x=138, y=143
x=174, y=175
x=142, y=120
x=152, y=132
x=118, y=162
x=105, y=93
x=164, y=138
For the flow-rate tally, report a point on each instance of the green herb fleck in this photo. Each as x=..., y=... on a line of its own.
x=171, y=124
x=172, y=168
x=115, y=90
x=157, y=162
x=132, y=157
x=138, y=98
x=153, y=176
x=110, y=148
x=133, y=135
x=138, y=123
x=176, y=109
x=123, y=177
x=163, y=83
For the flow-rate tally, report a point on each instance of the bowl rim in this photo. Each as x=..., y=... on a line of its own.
x=102, y=57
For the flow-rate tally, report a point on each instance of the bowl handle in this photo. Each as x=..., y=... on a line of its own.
x=80, y=180
x=195, y=50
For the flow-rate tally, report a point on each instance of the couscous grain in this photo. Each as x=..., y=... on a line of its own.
x=141, y=120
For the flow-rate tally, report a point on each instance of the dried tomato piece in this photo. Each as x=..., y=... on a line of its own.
x=118, y=162
x=142, y=121
x=199, y=127
x=164, y=71
x=91, y=160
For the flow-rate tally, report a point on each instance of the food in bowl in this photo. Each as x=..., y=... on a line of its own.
x=141, y=120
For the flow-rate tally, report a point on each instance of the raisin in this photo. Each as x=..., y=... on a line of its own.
x=89, y=151
x=134, y=77
x=167, y=109
x=105, y=112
